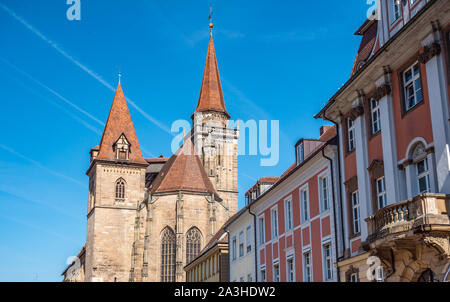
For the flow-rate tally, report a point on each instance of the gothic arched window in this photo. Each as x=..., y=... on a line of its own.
x=120, y=189
x=193, y=243
x=168, y=256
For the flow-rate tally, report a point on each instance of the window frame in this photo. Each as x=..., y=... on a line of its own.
x=304, y=211
x=415, y=78
x=307, y=268
x=324, y=206
x=241, y=244
x=421, y=175
x=234, y=248
x=351, y=139
x=357, y=207
x=248, y=238
x=288, y=214
x=375, y=110
x=327, y=261
x=276, y=277
x=381, y=194
x=290, y=257
x=262, y=230
x=274, y=225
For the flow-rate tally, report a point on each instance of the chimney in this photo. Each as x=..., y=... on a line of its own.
x=324, y=129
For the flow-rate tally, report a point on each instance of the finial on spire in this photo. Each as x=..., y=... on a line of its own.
x=210, y=20
x=119, y=75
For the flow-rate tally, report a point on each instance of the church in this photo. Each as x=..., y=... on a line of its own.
x=148, y=218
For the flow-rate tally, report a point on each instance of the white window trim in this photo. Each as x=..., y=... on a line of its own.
x=289, y=256
x=261, y=269
x=376, y=109
x=353, y=213
x=382, y=193
x=234, y=248
x=308, y=251
x=320, y=190
x=425, y=174
x=351, y=128
x=262, y=233
x=248, y=239
x=302, y=214
x=243, y=244
x=276, y=263
x=289, y=215
x=330, y=245
x=413, y=82
x=400, y=13
x=272, y=210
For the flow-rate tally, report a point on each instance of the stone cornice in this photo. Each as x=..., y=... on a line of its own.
x=429, y=52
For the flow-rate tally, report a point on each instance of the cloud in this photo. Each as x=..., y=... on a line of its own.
x=82, y=66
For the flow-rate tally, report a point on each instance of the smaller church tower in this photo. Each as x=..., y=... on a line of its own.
x=215, y=140
x=116, y=186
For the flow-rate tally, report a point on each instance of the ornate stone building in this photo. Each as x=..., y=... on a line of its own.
x=148, y=218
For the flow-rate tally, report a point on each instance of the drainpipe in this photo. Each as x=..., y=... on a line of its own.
x=334, y=213
x=229, y=252
x=254, y=240
x=340, y=181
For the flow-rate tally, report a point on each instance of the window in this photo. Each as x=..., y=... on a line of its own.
x=304, y=204
x=375, y=111
x=355, y=213
x=241, y=244
x=351, y=134
x=412, y=86
x=307, y=271
x=323, y=192
x=288, y=214
x=262, y=234
x=290, y=270
x=328, y=262
x=381, y=193
x=234, y=248
x=122, y=148
x=241, y=279
x=276, y=272
x=249, y=239
x=193, y=243
x=423, y=176
x=354, y=277
x=396, y=7
x=300, y=154
x=274, y=214
x=249, y=278
x=168, y=256
x=120, y=189
x=263, y=274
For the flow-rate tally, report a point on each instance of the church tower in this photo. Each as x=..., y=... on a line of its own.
x=116, y=186
x=215, y=138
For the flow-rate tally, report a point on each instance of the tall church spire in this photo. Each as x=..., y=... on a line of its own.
x=211, y=95
x=119, y=140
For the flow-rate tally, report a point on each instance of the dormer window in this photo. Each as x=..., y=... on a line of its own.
x=122, y=148
x=300, y=154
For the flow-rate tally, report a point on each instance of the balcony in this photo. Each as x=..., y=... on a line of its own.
x=426, y=213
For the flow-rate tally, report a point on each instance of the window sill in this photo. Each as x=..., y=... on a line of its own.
x=354, y=236
x=348, y=153
x=413, y=108
x=373, y=135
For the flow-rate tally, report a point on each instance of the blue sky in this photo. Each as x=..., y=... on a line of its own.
x=278, y=61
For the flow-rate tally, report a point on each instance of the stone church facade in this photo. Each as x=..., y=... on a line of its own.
x=148, y=218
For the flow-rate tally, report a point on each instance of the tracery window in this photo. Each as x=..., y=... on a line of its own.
x=193, y=244
x=120, y=189
x=168, y=256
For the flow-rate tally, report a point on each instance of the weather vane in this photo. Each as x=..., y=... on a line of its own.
x=120, y=75
x=210, y=19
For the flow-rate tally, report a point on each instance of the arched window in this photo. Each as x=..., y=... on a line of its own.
x=193, y=243
x=120, y=189
x=422, y=167
x=168, y=257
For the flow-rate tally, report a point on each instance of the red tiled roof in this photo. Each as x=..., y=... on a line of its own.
x=119, y=122
x=369, y=32
x=211, y=95
x=329, y=133
x=268, y=179
x=183, y=172
x=157, y=160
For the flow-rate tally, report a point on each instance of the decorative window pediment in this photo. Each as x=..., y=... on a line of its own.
x=122, y=148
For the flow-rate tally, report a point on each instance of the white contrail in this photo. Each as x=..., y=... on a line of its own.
x=52, y=91
x=83, y=67
x=42, y=166
x=81, y=121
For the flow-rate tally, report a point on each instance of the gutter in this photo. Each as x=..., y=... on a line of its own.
x=254, y=240
x=334, y=213
x=340, y=182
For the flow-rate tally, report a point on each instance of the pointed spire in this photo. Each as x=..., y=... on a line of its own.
x=119, y=122
x=211, y=95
